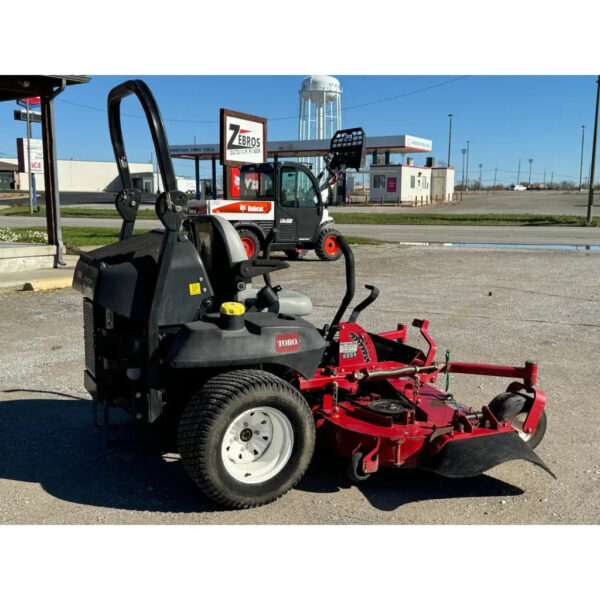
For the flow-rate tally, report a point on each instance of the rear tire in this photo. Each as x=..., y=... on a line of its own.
x=515, y=408
x=327, y=245
x=246, y=438
x=251, y=242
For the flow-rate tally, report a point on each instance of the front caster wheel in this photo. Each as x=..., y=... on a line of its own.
x=354, y=469
x=246, y=438
x=515, y=408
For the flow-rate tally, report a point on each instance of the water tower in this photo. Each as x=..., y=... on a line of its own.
x=320, y=110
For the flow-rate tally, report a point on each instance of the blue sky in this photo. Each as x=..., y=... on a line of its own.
x=504, y=117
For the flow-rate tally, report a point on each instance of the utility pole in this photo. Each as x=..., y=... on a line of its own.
x=449, y=138
x=29, y=158
x=530, y=161
x=480, y=165
x=467, y=180
x=518, y=172
x=464, y=151
x=544, y=177
x=552, y=180
x=581, y=161
x=593, y=169
x=495, y=173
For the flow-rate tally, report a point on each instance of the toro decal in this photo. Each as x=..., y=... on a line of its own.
x=287, y=342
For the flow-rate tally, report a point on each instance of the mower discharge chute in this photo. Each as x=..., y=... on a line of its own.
x=176, y=333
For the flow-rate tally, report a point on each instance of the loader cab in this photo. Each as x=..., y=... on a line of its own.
x=293, y=189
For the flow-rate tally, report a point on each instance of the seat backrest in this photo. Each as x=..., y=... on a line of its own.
x=220, y=248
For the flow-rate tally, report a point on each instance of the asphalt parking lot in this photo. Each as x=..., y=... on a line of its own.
x=489, y=305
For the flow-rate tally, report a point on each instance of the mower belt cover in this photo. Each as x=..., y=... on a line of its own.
x=472, y=456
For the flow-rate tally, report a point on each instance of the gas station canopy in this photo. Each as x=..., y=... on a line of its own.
x=394, y=144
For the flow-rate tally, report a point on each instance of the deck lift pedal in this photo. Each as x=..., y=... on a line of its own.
x=176, y=332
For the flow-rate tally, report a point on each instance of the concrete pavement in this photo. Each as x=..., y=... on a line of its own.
x=469, y=234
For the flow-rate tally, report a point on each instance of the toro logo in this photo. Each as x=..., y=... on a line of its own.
x=240, y=140
x=287, y=342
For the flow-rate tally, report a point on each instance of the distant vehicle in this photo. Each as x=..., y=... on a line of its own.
x=517, y=187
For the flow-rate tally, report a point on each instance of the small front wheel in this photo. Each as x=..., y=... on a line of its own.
x=354, y=468
x=515, y=408
x=246, y=438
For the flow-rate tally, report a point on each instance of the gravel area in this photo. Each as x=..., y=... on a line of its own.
x=488, y=305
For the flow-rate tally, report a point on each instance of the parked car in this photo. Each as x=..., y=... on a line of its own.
x=517, y=187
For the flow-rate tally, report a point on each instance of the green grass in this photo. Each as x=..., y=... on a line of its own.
x=85, y=236
x=73, y=211
x=76, y=237
x=344, y=218
x=364, y=241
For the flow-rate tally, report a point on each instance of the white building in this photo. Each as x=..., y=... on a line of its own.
x=99, y=176
x=410, y=185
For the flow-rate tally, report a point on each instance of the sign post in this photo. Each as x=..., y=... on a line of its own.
x=30, y=176
x=243, y=141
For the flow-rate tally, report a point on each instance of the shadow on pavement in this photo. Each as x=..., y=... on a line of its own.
x=390, y=489
x=53, y=442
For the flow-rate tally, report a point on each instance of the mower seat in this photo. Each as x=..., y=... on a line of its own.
x=220, y=248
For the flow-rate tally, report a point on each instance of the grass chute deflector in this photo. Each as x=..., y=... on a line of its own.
x=176, y=335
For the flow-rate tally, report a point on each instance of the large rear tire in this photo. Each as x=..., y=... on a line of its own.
x=246, y=438
x=327, y=247
x=515, y=408
x=251, y=242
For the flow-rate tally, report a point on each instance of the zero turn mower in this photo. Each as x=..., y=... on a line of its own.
x=175, y=329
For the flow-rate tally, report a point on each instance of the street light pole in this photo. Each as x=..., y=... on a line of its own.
x=450, y=138
x=480, y=165
x=462, y=187
x=593, y=169
x=530, y=161
x=467, y=179
x=519, y=172
x=581, y=161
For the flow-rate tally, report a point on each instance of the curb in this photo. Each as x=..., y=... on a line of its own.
x=41, y=285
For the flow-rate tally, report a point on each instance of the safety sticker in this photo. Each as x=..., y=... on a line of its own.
x=348, y=349
x=195, y=289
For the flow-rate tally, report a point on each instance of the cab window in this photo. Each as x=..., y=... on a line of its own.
x=297, y=189
x=289, y=179
x=256, y=185
x=306, y=194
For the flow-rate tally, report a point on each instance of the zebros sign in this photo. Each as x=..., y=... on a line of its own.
x=243, y=138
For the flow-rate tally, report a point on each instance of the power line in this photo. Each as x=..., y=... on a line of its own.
x=346, y=108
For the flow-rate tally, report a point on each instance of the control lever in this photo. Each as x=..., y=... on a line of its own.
x=366, y=302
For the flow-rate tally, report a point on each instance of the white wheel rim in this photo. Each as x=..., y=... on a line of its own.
x=257, y=445
x=518, y=423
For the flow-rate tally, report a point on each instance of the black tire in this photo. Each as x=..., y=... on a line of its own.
x=324, y=249
x=250, y=240
x=508, y=405
x=354, y=468
x=295, y=254
x=214, y=408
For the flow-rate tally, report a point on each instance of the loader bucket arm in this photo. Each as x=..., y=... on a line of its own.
x=346, y=151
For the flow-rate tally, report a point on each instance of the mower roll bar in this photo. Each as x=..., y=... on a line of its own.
x=128, y=200
x=169, y=209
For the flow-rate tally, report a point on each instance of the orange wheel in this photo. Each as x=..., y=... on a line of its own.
x=331, y=245
x=328, y=246
x=250, y=241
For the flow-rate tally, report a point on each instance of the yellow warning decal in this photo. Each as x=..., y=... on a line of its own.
x=195, y=289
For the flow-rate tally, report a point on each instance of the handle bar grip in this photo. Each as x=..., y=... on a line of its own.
x=157, y=130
